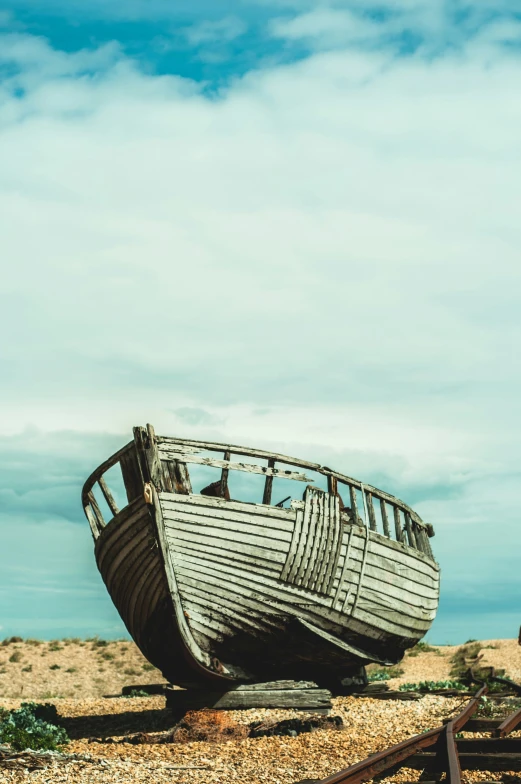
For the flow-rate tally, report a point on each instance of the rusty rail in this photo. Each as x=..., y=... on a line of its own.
x=441, y=750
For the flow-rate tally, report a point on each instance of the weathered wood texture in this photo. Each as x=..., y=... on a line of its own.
x=245, y=697
x=131, y=566
x=240, y=570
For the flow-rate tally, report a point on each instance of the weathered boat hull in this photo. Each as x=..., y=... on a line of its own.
x=215, y=591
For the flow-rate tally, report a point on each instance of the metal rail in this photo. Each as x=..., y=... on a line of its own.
x=441, y=751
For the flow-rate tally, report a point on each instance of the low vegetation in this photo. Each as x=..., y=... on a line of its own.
x=430, y=686
x=383, y=673
x=32, y=726
x=423, y=647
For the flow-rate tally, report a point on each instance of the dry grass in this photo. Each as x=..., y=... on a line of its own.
x=71, y=668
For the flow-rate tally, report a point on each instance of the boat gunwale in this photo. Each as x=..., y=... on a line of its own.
x=235, y=449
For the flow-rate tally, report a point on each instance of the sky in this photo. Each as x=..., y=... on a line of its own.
x=289, y=224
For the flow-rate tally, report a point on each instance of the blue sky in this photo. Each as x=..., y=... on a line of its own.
x=289, y=224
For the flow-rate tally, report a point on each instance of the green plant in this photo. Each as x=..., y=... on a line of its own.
x=11, y=640
x=54, y=645
x=72, y=669
x=459, y=661
x=148, y=666
x=55, y=667
x=131, y=672
x=107, y=655
x=31, y=727
x=384, y=673
x=31, y=641
x=428, y=686
x=16, y=657
x=378, y=676
x=29, y=668
x=137, y=693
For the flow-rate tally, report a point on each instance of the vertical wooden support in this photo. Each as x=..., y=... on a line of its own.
x=370, y=509
x=385, y=519
x=96, y=511
x=131, y=474
x=397, y=524
x=93, y=522
x=364, y=501
x=268, y=484
x=332, y=485
x=410, y=533
x=148, y=455
x=354, y=506
x=109, y=498
x=224, y=476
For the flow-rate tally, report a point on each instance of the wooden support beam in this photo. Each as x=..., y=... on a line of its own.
x=268, y=484
x=109, y=498
x=385, y=519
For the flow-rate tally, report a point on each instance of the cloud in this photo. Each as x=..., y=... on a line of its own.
x=321, y=257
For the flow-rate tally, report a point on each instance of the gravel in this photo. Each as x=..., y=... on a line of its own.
x=370, y=726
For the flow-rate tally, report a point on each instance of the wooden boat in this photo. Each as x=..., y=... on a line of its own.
x=218, y=591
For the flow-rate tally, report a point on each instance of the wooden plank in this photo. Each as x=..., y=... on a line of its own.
x=234, y=537
x=370, y=509
x=228, y=525
x=235, y=506
x=336, y=546
x=397, y=524
x=96, y=511
x=223, y=490
x=410, y=533
x=324, y=545
x=207, y=446
x=306, y=576
x=290, y=564
x=341, y=581
x=109, y=498
x=362, y=570
x=385, y=519
x=391, y=605
x=470, y=761
x=392, y=622
x=248, y=467
x=252, y=558
x=131, y=473
x=268, y=484
x=246, y=515
x=354, y=505
x=239, y=699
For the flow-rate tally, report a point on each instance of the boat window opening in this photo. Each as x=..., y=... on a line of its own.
x=202, y=476
x=114, y=480
x=246, y=487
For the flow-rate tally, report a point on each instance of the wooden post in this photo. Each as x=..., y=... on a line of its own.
x=397, y=524
x=224, y=476
x=385, y=519
x=268, y=484
x=332, y=485
x=149, y=456
x=370, y=509
x=109, y=498
x=354, y=506
x=410, y=533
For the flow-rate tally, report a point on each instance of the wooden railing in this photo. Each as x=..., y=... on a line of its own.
x=164, y=461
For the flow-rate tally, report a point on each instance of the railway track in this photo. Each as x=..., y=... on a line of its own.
x=441, y=753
